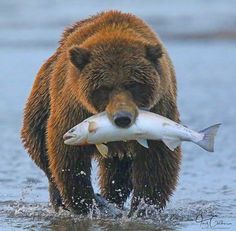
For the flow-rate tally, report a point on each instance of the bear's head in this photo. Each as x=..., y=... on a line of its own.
x=118, y=76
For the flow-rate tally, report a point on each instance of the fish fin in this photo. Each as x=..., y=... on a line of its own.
x=209, y=133
x=92, y=127
x=103, y=149
x=143, y=142
x=172, y=144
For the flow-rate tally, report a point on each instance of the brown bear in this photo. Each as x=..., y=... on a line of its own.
x=114, y=62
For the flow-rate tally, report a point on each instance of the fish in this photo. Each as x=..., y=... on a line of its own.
x=99, y=130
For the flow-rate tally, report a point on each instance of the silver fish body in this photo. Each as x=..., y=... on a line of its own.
x=98, y=129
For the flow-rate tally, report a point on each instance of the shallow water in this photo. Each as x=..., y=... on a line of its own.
x=206, y=95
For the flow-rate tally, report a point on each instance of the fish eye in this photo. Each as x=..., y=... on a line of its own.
x=72, y=130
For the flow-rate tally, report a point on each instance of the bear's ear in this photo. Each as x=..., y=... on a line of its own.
x=79, y=56
x=154, y=52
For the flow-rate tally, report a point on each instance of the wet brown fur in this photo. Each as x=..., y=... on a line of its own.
x=118, y=53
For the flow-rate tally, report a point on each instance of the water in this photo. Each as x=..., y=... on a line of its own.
x=205, y=67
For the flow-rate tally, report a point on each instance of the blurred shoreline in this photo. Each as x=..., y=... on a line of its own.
x=226, y=35
x=41, y=23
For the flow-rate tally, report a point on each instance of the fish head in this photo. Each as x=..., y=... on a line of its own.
x=77, y=135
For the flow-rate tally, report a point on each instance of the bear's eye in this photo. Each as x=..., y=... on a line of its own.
x=134, y=88
x=139, y=92
x=101, y=94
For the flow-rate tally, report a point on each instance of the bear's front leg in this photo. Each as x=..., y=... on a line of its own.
x=71, y=169
x=154, y=176
x=55, y=197
x=115, y=182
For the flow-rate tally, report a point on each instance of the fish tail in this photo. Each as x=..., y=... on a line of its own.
x=209, y=133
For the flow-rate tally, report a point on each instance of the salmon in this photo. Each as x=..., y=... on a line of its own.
x=99, y=130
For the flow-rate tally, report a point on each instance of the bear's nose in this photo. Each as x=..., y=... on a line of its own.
x=122, y=119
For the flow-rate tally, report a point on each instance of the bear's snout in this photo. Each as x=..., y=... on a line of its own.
x=121, y=109
x=123, y=119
